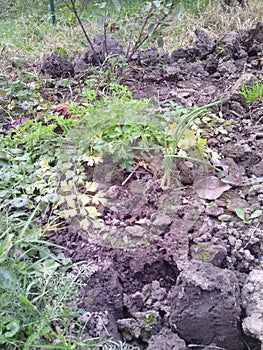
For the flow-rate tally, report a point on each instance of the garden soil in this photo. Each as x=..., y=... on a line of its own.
x=171, y=270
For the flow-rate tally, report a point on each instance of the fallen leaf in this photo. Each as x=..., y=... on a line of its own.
x=62, y=110
x=19, y=121
x=210, y=187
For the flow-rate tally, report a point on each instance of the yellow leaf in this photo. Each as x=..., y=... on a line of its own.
x=182, y=153
x=67, y=186
x=83, y=211
x=172, y=128
x=93, y=212
x=44, y=164
x=99, y=198
x=85, y=199
x=188, y=140
x=71, y=201
x=69, y=213
x=97, y=160
x=69, y=17
x=88, y=159
x=91, y=186
x=92, y=160
x=61, y=200
x=64, y=186
x=84, y=224
x=201, y=144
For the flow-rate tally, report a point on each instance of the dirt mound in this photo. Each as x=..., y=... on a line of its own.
x=172, y=266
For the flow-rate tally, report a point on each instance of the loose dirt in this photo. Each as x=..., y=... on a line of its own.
x=168, y=268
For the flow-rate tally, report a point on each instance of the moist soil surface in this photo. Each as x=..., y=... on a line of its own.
x=171, y=270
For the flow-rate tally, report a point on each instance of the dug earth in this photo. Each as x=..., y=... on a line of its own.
x=172, y=272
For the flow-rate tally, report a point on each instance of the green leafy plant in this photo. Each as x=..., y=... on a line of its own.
x=147, y=24
x=253, y=92
x=81, y=206
x=182, y=137
x=241, y=214
x=36, y=287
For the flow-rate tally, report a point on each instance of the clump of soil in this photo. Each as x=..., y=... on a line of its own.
x=166, y=265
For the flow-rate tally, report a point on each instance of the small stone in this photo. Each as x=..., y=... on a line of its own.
x=238, y=244
x=135, y=231
x=206, y=252
x=166, y=339
x=232, y=240
x=252, y=301
x=162, y=220
x=214, y=211
x=248, y=256
x=225, y=217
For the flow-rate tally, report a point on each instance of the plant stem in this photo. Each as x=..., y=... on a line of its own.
x=74, y=10
x=194, y=160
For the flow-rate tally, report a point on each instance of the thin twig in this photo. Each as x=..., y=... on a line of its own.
x=128, y=178
x=138, y=41
x=204, y=346
x=74, y=10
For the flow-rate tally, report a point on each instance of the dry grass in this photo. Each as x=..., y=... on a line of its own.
x=32, y=37
x=215, y=21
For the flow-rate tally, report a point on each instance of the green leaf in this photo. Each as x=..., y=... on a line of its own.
x=8, y=280
x=20, y=202
x=13, y=328
x=102, y=5
x=27, y=302
x=256, y=214
x=117, y=5
x=240, y=213
x=100, y=20
x=151, y=28
x=148, y=6
x=157, y=4
x=51, y=198
x=160, y=43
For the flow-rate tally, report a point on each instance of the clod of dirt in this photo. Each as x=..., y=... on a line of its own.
x=256, y=110
x=102, y=49
x=252, y=301
x=141, y=325
x=163, y=231
x=206, y=306
x=57, y=67
x=214, y=254
x=166, y=339
x=204, y=44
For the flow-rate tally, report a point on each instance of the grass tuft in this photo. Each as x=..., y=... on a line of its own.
x=252, y=93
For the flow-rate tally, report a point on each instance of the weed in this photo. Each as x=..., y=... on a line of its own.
x=145, y=25
x=182, y=137
x=251, y=93
x=241, y=214
x=205, y=257
x=36, y=288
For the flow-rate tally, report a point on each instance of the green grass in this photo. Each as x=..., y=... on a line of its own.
x=29, y=34
x=253, y=92
x=35, y=287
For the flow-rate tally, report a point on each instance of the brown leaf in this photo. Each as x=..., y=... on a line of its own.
x=211, y=187
x=62, y=110
x=19, y=121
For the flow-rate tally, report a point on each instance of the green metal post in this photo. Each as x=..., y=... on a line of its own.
x=53, y=13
